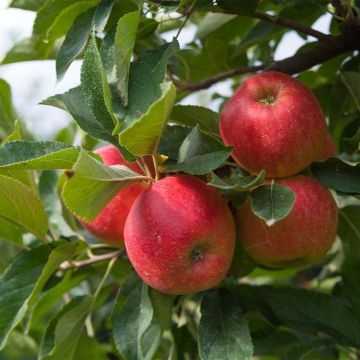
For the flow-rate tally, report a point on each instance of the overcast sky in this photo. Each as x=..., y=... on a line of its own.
x=34, y=81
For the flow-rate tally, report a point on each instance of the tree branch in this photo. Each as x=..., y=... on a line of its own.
x=277, y=20
x=78, y=264
x=319, y=53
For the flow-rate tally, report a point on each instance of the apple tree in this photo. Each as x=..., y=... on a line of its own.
x=67, y=291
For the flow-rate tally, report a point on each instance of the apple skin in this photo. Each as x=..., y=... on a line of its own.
x=274, y=123
x=180, y=235
x=301, y=238
x=329, y=150
x=109, y=225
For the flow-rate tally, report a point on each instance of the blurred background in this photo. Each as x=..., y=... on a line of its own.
x=34, y=81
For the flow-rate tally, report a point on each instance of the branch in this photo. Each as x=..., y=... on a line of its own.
x=277, y=20
x=78, y=264
x=319, y=53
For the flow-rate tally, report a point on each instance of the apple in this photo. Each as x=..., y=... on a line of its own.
x=274, y=123
x=329, y=150
x=109, y=225
x=301, y=238
x=180, y=235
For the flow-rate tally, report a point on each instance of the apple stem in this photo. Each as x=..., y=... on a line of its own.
x=157, y=176
x=141, y=164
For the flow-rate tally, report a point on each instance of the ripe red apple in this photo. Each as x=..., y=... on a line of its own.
x=180, y=235
x=328, y=151
x=274, y=123
x=109, y=225
x=302, y=237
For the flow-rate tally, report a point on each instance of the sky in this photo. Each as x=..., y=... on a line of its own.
x=34, y=81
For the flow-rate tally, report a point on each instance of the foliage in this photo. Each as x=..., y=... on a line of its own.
x=59, y=294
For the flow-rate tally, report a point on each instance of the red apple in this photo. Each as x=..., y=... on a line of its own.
x=302, y=237
x=109, y=225
x=274, y=123
x=180, y=235
x=329, y=150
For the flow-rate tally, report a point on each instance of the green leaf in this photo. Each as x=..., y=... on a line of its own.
x=237, y=183
x=303, y=310
x=143, y=135
x=90, y=349
x=171, y=139
x=29, y=49
x=350, y=274
x=48, y=14
x=54, y=295
x=95, y=87
x=338, y=175
x=74, y=43
x=44, y=155
x=352, y=144
x=102, y=14
x=223, y=331
x=199, y=154
x=190, y=115
x=93, y=185
x=349, y=232
x=7, y=112
x=124, y=46
x=74, y=102
x=211, y=22
x=272, y=202
x=23, y=280
x=33, y=5
x=68, y=330
x=66, y=18
x=20, y=205
x=351, y=80
x=239, y=7
x=10, y=232
x=146, y=76
x=132, y=318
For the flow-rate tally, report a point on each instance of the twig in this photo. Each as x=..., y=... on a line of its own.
x=188, y=13
x=319, y=53
x=97, y=258
x=290, y=24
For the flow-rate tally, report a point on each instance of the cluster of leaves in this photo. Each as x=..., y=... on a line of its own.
x=59, y=295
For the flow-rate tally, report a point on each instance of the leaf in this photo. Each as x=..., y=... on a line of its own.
x=143, y=135
x=349, y=232
x=66, y=18
x=93, y=185
x=272, y=202
x=89, y=348
x=124, y=46
x=33, y=5
x=95, y=87
x=102, y=14
x=10, y=232
x=23, y=280
x=190, y=115
x=223, y=332
x=65, y=335
x=74, y=102
x=239, y=7
x=211, y=22
x=7, y=112
x=338, y=175
x=351, y=80
x=171, y=140
x=199, y=154
x=20, y=205
x=132, y=316
x=238, y=183
x=47, y=15
x=146, y=76
x=44, y=155
x=350, y=274
x=74, y=43
x=29, y=49
x=352, y=144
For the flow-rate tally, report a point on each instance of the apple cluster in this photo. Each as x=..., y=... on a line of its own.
x=180, y=234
